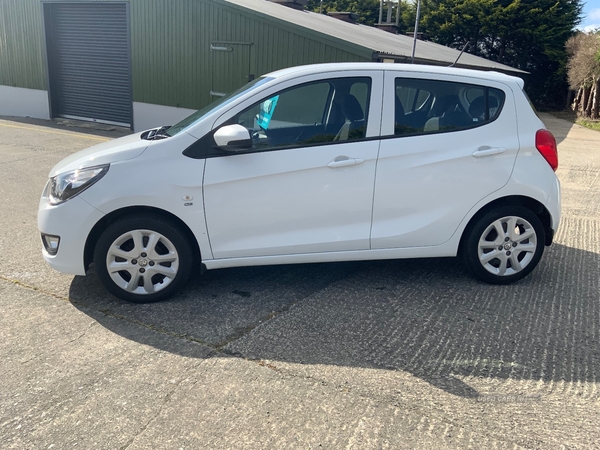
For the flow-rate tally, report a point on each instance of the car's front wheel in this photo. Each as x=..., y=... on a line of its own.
x=504, y=245
x=143, y=259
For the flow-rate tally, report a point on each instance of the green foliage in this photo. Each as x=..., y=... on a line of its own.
x=368, y=10
x=591, y=124
x=527, y=34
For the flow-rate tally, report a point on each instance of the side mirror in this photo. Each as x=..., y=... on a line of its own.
x=233, y=138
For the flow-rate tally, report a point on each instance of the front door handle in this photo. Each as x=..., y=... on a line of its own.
x=344, y=161
x=488, y=151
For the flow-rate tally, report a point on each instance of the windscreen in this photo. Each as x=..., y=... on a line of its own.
x=198, y=115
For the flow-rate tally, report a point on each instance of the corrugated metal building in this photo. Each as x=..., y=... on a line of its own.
x=141, y=63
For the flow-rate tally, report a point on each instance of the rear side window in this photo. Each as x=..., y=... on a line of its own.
x=429, y=106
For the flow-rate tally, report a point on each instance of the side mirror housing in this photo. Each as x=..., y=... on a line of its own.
x=233, y=138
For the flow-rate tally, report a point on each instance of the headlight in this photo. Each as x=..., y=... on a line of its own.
x=67, y=185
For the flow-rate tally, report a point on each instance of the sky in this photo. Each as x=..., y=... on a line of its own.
x=591, y=15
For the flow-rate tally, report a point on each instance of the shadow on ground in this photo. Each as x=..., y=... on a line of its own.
x=560, y=123
x=425, y=317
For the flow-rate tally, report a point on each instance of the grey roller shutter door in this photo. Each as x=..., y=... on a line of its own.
x=89, y=61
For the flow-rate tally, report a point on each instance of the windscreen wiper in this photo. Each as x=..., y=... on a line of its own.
x=156, y=133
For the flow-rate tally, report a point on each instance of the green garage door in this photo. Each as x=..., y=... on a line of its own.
x=89, y=61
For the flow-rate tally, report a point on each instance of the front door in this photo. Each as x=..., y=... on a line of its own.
x=307, y=184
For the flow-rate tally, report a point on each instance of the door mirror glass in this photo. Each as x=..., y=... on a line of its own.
x=233, y=138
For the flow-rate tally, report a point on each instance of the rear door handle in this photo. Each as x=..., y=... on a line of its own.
x=344, y=161
x=487, y=151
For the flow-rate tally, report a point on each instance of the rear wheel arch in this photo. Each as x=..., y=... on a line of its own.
x=137, y=211
x=515, y=200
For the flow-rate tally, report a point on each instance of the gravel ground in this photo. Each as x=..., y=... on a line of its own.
x=388, y=354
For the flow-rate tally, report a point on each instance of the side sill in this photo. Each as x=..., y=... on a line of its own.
x=441, y=251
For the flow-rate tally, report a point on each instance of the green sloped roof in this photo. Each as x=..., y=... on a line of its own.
x=380, y=42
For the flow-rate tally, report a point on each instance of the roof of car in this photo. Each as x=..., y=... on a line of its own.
x=381, y=43
x=407, y=68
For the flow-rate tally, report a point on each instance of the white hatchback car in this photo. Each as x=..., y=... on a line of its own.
x=318, y=163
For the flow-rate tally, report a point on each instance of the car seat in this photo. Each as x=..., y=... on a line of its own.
x=354, y=124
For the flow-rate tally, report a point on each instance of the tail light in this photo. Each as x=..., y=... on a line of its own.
x=546, y=145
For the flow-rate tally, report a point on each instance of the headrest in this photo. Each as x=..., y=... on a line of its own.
x=351, y=108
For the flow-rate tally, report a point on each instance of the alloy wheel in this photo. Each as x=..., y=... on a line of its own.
x=507, y=246
x=142, y=262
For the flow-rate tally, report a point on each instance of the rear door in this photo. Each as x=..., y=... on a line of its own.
x=433, y=169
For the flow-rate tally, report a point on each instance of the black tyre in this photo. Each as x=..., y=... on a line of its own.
x=143, y=259
x=504, y=245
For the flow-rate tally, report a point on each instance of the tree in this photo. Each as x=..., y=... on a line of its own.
x=584, y=73
x=368, y=10
x=526, y=34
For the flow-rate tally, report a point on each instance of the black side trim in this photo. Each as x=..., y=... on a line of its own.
x=206, y=147
x=245, y=144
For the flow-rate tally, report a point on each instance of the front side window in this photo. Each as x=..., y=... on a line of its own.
x=309, y=114
x=429, y=106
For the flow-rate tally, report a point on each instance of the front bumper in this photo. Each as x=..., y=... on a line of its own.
x=72, y=221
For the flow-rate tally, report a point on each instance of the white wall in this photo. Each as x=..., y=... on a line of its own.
x=21, y=102
x=146, y=115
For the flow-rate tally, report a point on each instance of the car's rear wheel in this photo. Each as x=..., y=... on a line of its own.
x=143, y=259
x=504, y=245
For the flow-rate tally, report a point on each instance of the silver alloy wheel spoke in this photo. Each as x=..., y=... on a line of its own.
x=515, y=263
x=161, y=270
x=169, y=257
x=117, y=252
x=118, y=266
x=506, y=253
x=503, y=266
x=487, y=257
x=148, y=286
x=126, y=265
x=138, y=243
x=132, y=284
x=523, y=237
x=526, y=248
x=498, y=226
x=490, y=245
x=152, y=241
x=511, y=227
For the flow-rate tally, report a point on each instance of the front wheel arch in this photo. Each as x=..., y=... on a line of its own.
x=104, y=222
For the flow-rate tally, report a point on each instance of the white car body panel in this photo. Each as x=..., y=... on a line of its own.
x=311, y=207
x=127, y=147
x=73, y=224
x=148, y=186
x=425, y=183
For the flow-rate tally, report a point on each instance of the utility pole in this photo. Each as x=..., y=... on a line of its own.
x=412, y=58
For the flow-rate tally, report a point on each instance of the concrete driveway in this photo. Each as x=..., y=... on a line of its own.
x=391, y=354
